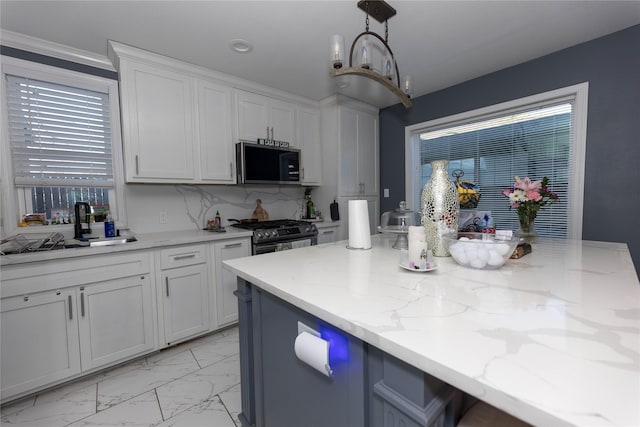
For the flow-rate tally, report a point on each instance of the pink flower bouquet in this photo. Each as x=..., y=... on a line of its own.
x=527, y=197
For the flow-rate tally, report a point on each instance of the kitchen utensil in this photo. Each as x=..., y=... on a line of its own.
x=259, y=213
x=83, y=219
x=244, y=221
x=335, y=214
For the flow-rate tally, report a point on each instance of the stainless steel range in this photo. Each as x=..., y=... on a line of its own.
x=279, y=235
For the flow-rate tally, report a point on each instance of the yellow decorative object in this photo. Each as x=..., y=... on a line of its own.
x=468, y=195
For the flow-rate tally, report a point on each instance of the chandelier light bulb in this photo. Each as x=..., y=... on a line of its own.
x=408, y=85
x=366, y=54
x=336, y=51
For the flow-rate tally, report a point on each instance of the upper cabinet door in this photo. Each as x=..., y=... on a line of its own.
x=358, y=153
x=216, y=142
x=367, y=154
x=158, y=123
x=282, y=121
x=310, y=144
x=253, y=116
x=348, y=152
x=261, y=117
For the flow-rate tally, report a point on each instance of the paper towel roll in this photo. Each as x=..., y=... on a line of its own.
x=314, y=351
x=359, y=232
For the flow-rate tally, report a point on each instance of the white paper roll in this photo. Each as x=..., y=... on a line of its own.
x=314, y=351
x=359, y=232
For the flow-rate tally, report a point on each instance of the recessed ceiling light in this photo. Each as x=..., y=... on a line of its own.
x=240, y=46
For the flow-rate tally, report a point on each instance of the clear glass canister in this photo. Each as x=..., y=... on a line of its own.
x=397, y=222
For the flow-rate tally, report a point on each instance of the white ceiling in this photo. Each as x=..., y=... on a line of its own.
x=439, y=43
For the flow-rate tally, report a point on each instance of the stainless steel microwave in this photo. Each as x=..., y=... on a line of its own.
x=265, y=164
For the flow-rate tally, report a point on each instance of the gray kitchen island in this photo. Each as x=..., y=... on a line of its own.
x=552, y=338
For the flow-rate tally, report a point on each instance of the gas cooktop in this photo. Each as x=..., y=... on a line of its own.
x=278, y=223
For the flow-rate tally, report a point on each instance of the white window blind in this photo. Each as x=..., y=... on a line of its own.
x=534, y=141
x=59, y=135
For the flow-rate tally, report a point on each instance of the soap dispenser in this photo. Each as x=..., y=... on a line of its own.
x=109, y=226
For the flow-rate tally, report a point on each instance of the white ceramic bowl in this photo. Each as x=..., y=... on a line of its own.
x=480, y=250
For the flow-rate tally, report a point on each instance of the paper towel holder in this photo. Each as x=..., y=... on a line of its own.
x=323, y=368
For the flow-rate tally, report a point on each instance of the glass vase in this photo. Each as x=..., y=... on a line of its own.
x=440, y=207
x=527, y=228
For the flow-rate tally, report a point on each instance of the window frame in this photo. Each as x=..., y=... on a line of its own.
x=579, y=92
x=10, y=211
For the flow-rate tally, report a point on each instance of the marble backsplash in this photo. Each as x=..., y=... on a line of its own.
x=188, y=207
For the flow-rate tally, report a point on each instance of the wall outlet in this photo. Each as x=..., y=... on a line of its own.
x=164, y=217
x=386, y=192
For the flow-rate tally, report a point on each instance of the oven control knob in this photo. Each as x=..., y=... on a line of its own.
x=259, y=235
x=274, y=233
x=307, y=229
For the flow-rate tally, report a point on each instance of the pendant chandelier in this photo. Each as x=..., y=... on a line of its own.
x=366, y=46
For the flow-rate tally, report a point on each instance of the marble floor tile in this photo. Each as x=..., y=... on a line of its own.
x=55, y=408
x=210, y=413
x=197, y=384
x=140, y=411
x=158, y=371
x=232, y=400
x=212, y=352
x=200, y=386
x=17, y=405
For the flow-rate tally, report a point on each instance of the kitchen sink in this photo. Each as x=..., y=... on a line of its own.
x=25, y=244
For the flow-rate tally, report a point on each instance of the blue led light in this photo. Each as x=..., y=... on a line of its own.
x=338, y=345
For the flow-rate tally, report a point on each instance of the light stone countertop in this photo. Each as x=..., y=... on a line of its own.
x=145, y=241
x=552, y=338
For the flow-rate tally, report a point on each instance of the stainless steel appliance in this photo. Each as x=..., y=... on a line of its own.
x=279, y=235
x=265, y=164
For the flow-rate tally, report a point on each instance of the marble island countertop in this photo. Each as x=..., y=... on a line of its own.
x=552, y=338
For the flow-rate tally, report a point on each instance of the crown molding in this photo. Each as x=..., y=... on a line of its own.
x=55, y=50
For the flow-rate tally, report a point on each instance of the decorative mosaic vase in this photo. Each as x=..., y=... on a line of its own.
x=440, y=207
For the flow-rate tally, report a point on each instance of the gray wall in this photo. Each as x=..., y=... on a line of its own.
x=611, y=65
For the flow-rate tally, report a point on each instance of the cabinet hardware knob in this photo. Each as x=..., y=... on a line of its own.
x=232, y=245
x=26, y=298
x=137, y=170
x=166, y=281
x=70, y=308
x=82, y=304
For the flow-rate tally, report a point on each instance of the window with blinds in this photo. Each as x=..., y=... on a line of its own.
x=533, y=141
x=60, y=138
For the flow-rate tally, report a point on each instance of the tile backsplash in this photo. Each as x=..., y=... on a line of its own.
x=187, y=207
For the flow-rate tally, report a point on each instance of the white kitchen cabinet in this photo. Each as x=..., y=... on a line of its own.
x=358, y=146
x=184, y=291
x=328, y=234
x=115, y=320
x=226, y=281
x=158, y=119
x=217, y=155
x=310, y=145
x=260, y=116
x=39, y=342
x=176, y=120
x=61, y=318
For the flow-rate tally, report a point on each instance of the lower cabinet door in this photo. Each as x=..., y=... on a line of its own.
x=185, y=293
x=115, y=320
x=39, y=343
x=290, y=392
x=226, y=281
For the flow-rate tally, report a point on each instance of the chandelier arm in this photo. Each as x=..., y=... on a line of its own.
x=386, y=45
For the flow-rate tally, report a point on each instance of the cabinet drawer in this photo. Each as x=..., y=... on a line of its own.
x=181, y=256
